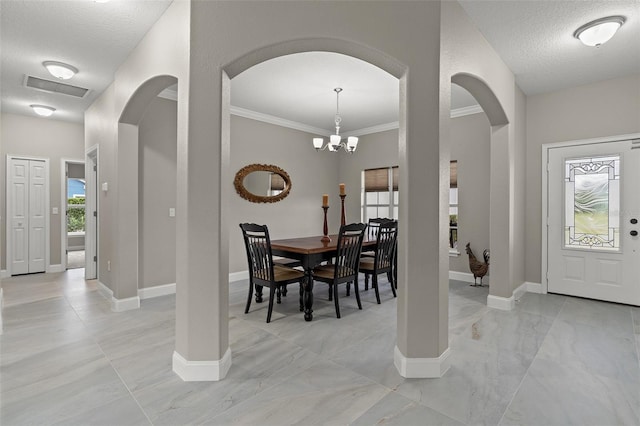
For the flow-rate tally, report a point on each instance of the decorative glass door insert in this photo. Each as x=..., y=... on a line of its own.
x=592, y=203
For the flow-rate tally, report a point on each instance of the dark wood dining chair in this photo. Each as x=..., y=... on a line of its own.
x=262, y=270
x=384, y=259
x=347, y=260
x=372, y=232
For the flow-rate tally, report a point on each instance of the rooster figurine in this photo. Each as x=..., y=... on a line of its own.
x=478, y=268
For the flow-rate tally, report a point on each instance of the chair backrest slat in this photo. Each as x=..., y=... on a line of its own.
x=386, y=242
x=258, y=246
x=349, y=249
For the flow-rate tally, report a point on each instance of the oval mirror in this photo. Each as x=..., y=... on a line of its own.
x=262, y=183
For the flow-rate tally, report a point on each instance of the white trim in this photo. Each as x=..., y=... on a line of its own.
x=373, y=129
x=63, y=208
x=92, y=232
x=534, y=288
x=156, y=291
x=544, y=285
x=468, y=110
x=128, y=304
x=53, y=269
x=238, y=276
x=47, y=219
x=502, y=303
x=467, y=277
x=271, y=119
x=4, y=273
x=421, y=368
x=169, y=94
x=454, y=253
x=201, y=371
x=105, y=291
x=520, y=291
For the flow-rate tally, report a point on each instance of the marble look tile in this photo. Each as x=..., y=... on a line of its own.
x=615, y=318
x=548, y=305
x=594, y=350
x=51, y=400
x=122, y=412
x=147, y=366
x=559, y=394
x=466, y=290
x=478, y=386
x=635, y=313
x=136, y=338
x=509, y=331
x=35, y=310
x=172, y=401
x=395, y=409
x=20, y=293
x=321, y=395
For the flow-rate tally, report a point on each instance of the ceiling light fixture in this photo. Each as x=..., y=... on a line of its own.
x=598, y=32
x=335, y=141
x=60, y=70
x=43, y=110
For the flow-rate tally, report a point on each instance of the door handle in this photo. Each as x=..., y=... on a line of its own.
x=634, y=221
x=634, y=233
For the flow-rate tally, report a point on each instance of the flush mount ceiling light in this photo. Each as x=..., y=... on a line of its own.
x=598, y=32
x=60, y=70
x=335, y=141
x=43, y=110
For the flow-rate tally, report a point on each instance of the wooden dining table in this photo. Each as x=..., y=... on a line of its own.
x=311, y=251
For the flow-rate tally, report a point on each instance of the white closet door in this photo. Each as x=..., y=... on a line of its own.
x=19, y=215
x=37, y=216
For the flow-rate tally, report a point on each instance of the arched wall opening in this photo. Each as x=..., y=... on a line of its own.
x=146, y=231
x=501, y=184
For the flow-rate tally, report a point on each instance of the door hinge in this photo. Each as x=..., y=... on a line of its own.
x=95, y=213
x=95, y=168
x=95, y=258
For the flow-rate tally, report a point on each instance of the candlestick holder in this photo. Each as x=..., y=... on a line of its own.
x=325, y=228
x=343, y=218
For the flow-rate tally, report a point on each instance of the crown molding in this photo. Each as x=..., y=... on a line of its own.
x=167, y=93
x=373, y=129
x=461, y=112
x=271, y=119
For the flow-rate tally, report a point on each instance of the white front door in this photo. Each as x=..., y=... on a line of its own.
x=593, y=225
x=27, y=212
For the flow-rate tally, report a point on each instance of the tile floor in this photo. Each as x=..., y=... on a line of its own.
x=67, y=359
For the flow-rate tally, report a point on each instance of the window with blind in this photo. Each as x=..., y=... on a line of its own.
x=453, y=206
x=380, y=193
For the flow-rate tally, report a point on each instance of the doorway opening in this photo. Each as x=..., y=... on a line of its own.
x=74, y=219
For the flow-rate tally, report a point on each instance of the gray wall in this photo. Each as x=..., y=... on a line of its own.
x=470, y=146
x=312, y=174
x=606, y=108
x=40, y=137
x=157, y=150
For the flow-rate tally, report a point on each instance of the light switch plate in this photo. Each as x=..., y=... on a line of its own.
x=105, y=186
x=172, y=212
x=54, y=210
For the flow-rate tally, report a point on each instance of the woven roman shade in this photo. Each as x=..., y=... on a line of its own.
x=377, y=180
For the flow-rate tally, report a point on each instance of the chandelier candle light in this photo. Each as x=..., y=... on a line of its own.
x=325, y=228
x=335, y=141
x=343, y=195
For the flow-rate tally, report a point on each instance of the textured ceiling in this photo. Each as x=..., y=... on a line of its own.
x=535, y=40
x=93, y=37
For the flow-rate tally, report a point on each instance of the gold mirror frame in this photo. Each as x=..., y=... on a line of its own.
x=238, y=183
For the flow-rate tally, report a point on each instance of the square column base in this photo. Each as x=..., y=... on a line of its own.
x=422, y=368
x=201, y=371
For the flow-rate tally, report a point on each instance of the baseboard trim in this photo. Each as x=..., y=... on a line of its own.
x=421, y=368
x=201, y=371
x=466, y=277
x=128, y=304
x=534, y=287
x=238, y=276
x=105, y=291
x=156, y=291
x=52, y=269
x=502, y=303
x=4, y=273
x=520, y=291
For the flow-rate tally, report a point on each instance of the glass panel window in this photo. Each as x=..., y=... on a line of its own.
x=592, y=203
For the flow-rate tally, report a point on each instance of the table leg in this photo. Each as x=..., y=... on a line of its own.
x=308, y=296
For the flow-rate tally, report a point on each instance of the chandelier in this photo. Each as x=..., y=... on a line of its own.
x=335, y=141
